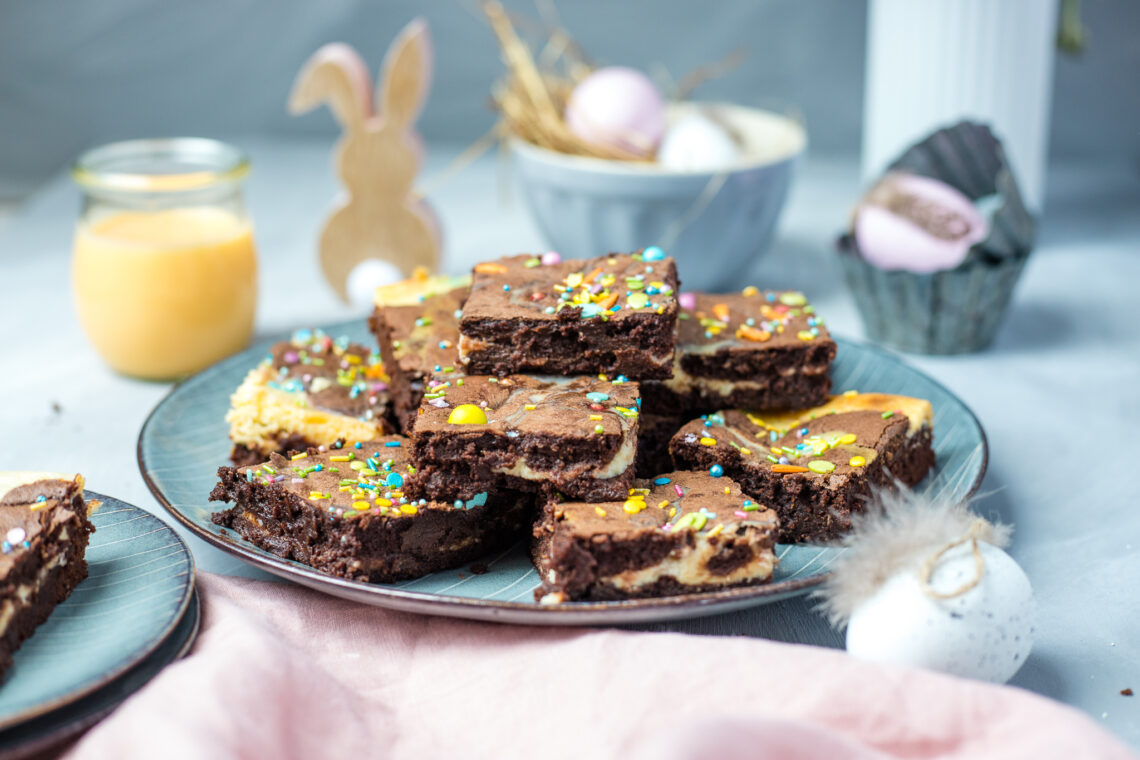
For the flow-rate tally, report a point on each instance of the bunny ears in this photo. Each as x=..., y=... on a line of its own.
x=337, y=75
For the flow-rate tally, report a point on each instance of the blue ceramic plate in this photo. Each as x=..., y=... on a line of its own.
x=185, y=439
x=140, y=577
x=38, y=734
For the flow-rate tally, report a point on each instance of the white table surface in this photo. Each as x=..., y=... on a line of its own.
x=1057, y=394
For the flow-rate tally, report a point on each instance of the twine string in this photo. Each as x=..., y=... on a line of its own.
x=977, y=529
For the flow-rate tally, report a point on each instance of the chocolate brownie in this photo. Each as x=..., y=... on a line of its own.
x=612, y=315
x=44, y=531
x=679, y=533
x=416, y=324
x=817, y=466
x=344, y=512
x=751, y=350
x=478, y=433
x=311, y=390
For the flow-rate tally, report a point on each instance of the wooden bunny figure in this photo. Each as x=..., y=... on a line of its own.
x=377, y=157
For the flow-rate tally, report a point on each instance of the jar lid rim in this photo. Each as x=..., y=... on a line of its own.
x=206, y=161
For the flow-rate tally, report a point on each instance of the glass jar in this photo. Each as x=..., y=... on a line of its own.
x=164, y=265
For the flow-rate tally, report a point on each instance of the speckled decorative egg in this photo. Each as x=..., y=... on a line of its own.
x=697, y=143
x=985, y=633
x=917, y=224
x=368, y=275
x=617, y=107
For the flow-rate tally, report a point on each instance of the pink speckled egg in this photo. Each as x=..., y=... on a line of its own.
x=917, y=224
x=617, y=107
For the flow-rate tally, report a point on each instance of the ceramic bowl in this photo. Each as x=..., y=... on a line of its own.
x=715, y=223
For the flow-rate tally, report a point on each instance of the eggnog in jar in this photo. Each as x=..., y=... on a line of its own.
x=164, y=267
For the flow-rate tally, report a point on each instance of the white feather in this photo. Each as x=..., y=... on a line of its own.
x=899, y=530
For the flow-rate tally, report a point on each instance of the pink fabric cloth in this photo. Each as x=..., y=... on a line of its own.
x=282, y=672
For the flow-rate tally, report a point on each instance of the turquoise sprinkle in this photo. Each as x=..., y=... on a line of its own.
x=598, y=398
x=394, y=480
x=661, y=482
x=392, y=444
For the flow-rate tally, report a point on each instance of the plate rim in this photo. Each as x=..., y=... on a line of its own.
x=136, y=657
x=54, y=737
x=571, y=613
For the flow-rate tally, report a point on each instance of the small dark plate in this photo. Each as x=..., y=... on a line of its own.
x=140, y=577
x=47, y=731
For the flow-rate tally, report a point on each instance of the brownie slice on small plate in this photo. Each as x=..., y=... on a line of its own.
x=612, y=315
x=683, y=532
x=577, y=435
x=43, y=539
x=815, y=466
x=345, y=512
x=752, y=350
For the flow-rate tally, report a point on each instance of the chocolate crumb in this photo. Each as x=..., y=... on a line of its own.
x=1126, y=692
x=478, y=568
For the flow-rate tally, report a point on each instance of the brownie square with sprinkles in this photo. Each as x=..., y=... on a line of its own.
x=479, y=433
x=345, y=512
x=678, y=533
x=311, y=390
x=416, y=324
x=817, y=466
x=612, y=315
x=752, y=349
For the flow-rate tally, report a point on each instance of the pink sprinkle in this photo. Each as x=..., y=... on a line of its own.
x=677, y=488
x=291, y=357
x=379, y=386
x=550, y=257
x=596, y=288
x=741, y=515
x=688, y=301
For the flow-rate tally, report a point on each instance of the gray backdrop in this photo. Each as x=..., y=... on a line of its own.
x=75, y=74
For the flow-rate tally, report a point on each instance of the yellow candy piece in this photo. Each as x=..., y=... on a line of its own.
x=857, y=461
x=467, y=414
x=847, y=439
x=409, y=509
x=708, y=442
x=633, y=506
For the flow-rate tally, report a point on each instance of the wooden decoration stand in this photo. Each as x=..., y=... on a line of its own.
x=377, y=157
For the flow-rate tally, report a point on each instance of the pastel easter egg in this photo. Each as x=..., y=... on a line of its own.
x=617, y=107
x=917, y=224
x=696, y=143
x=985, y=633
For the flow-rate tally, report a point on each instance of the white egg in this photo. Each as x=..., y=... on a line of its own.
x=697, y=143
x=985, y=633
x=368, y=275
